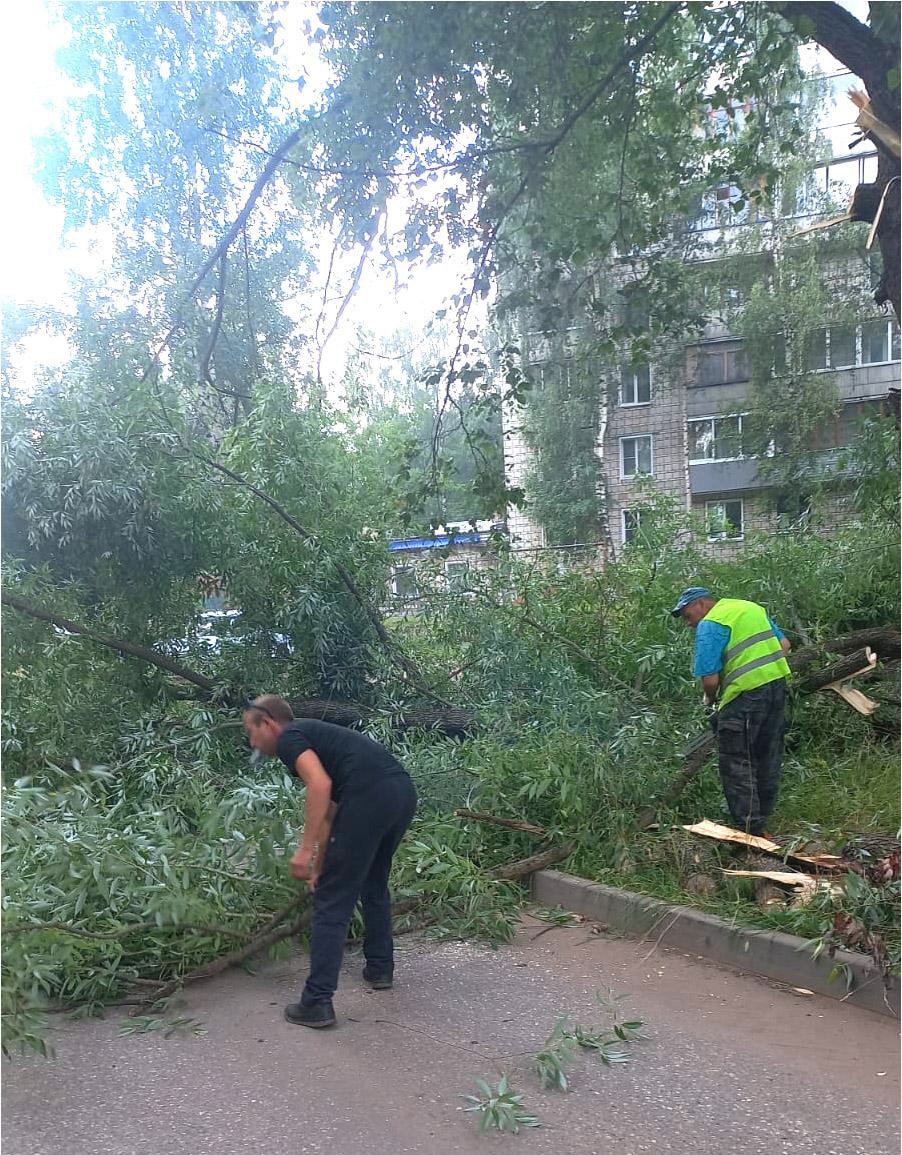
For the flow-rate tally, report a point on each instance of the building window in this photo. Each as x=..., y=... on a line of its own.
x=724, y=520
x=456, y=575
x=719, y=366
x=845, y=346
x=879, y=342
x=715, y=439
x=635, y=385
x=635, y=456
x=632, y=524
x=634, y=308
x=842, y=431
x=793, y=511
x=404, y=582
x=721, y=208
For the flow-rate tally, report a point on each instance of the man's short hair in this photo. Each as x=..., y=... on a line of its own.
x=272, y=706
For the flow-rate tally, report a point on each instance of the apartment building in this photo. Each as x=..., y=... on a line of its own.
x=681, y=417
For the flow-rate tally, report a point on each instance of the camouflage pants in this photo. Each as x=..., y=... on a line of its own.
x=750, y=731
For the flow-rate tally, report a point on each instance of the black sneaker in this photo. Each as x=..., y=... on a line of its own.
x=315, y=1015
x=378, y=982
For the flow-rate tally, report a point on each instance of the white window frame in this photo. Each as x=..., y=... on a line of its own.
x=396, y=571
x=713, y=417
x=651, y=456
x=635, y=513
x=712, y=537
x=859, y=361
x=632, y=372
x=706, y=349
x=451, y=564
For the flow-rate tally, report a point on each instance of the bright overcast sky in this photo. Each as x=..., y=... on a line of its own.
x=36, y=265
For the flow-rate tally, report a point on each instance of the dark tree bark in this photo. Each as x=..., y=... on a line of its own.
x=450, y=721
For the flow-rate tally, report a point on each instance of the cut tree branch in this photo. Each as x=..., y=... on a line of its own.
x=391, y=647
x=223, y=247
x=275, y=931
x=205, y=377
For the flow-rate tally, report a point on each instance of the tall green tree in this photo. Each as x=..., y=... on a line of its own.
x=167, y=110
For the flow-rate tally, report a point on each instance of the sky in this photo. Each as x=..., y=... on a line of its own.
x=37, y=264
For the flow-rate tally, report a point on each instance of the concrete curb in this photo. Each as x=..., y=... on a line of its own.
x=782, y=957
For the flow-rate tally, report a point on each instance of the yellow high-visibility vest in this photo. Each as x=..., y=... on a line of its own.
x=753, y=656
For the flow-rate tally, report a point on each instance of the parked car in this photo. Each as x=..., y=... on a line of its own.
x=218, y=630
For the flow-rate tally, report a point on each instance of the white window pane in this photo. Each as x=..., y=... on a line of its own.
x=643, y=384
x=701, y=440
x=727, y=438
x=627, y=387
x=895, y=343
x=630, y=525
x=724, y=520
x=842, y=346
x=874, y=342
x=636, y=455
x=404, y=582
x=816, y=349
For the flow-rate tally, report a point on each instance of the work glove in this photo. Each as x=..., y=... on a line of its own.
x=711, y=715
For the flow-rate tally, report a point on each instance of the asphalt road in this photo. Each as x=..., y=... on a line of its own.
x=734, y=1064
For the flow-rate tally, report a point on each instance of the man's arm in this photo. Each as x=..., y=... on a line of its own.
x=711, y=684
x=785, y=644
x=317, y=817
x=711, y=638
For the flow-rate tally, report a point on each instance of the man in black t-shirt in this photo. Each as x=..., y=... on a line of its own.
x=360, y=801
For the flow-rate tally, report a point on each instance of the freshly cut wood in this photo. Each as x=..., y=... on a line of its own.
x=509, y=823
x=784, y=877
x=707, y=829
x=854, y=698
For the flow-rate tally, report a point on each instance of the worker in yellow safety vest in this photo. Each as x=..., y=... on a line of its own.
x=740, y=656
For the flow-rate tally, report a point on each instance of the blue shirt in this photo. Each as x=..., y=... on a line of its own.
x=711, y=639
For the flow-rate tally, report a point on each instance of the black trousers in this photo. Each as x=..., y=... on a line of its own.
x=365, y=834
x=750, y=733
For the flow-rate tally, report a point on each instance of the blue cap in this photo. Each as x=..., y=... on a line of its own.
x=692, y=594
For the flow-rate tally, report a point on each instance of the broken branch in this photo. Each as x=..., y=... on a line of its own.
x=273, y=931
x=509, y=823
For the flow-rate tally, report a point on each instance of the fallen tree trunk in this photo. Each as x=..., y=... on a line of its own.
x=844, y=668
x=885, y=641
x=275, y=931
x=452, y=722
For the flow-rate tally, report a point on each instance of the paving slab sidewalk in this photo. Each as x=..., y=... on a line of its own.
x=733, y=1064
